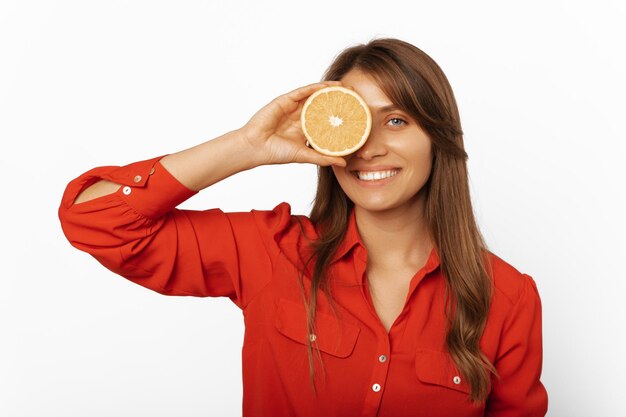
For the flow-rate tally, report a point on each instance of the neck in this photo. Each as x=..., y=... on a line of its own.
x=395, y=237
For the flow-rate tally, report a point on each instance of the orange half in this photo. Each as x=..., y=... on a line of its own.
x=336, y=121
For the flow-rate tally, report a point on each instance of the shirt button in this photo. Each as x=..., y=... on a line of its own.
x=137, y=178
x=376, y=387
x=126, y=190
x=456, y=380
x=312, y=337
x=382, y=358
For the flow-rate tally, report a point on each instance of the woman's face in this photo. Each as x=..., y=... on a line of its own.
x=396, y=143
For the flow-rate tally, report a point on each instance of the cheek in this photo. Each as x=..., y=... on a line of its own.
x=426, y=160
x=422, y=163
x=423, y=155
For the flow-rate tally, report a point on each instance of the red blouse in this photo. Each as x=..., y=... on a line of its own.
x=253, y=258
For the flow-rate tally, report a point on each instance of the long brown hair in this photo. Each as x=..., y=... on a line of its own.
x=416, y=84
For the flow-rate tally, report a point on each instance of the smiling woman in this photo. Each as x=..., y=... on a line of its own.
x=394, y=163
x=383, y=180
x=384, y=301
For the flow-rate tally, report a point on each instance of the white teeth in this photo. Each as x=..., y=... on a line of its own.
x=376, y=175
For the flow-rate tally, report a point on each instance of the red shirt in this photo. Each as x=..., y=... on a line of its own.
x=253, y=258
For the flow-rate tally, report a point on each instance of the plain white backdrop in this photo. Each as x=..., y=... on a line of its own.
x=541, y=89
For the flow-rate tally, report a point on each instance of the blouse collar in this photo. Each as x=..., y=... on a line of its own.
x=352, y=239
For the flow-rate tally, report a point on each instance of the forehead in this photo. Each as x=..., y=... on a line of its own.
x=367, y=87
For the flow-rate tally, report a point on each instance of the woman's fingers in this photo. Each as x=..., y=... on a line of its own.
x=312, y=156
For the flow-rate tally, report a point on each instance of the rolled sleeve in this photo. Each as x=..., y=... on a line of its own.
x=165, y=191
x=138, y=233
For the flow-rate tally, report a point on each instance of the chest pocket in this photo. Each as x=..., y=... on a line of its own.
x=437, y=368
x=332, y=335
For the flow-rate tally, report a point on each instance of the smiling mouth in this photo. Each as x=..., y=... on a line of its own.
x=375, y=175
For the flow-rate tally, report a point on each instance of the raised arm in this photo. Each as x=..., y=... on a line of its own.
x=126, y=217
x=272, y=136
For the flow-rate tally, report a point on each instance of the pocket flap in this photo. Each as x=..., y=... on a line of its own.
x=435, y=367
x=332, y=335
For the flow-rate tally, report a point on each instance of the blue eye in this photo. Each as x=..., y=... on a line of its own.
x=397, y=119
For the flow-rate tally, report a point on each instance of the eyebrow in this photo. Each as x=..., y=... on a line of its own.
x=384, y=109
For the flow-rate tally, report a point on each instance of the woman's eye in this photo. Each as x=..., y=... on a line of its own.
x=395, y=121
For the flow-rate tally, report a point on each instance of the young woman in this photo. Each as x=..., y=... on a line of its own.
x=385, y=301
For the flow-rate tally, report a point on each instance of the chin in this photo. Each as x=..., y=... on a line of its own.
x=374, y=206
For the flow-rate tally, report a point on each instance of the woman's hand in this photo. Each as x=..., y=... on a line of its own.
x=276, y=132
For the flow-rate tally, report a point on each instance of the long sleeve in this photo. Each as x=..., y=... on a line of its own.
x=138, y=233
x=518, y=392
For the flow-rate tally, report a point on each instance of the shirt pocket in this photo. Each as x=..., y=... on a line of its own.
x=332, y=335
x=437, y=368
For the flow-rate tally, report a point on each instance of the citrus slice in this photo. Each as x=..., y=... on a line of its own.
x=336, y=121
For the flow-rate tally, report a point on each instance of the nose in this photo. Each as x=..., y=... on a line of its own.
x=374, y=146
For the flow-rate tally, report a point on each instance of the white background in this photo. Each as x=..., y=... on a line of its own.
x=540, y=86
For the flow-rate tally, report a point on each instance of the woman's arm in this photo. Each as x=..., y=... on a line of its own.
x=197, y=167
x=518, y=390
x=272, y=136
x=126, y=218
